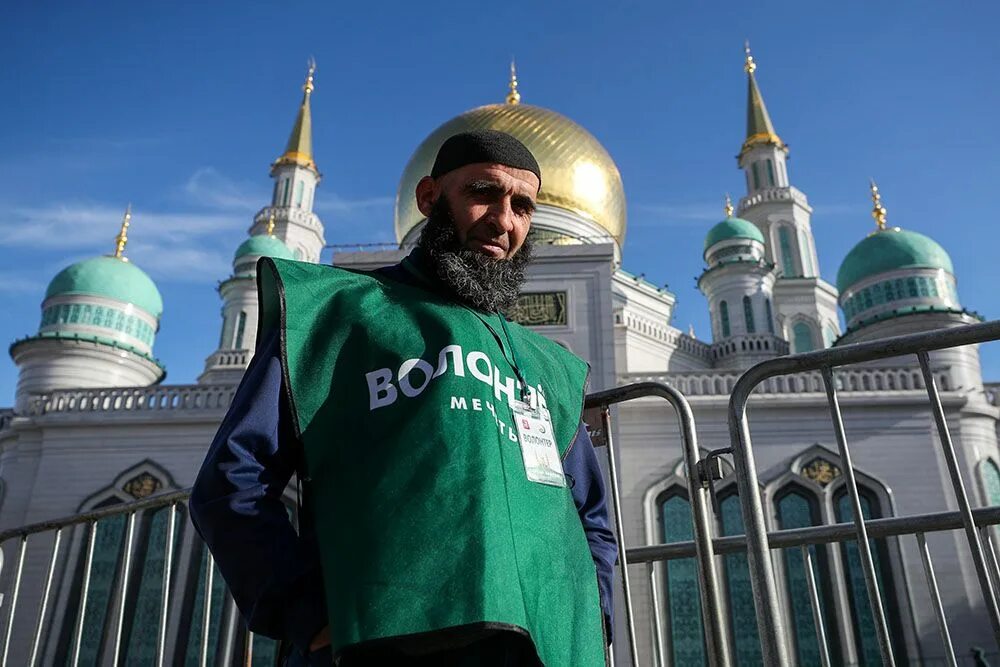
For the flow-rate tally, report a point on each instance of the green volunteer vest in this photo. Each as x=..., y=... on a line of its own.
x=425, y=517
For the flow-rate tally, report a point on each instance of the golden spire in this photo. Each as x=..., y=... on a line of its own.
x=513, y=97
x=749, y=66
x=299, y=148
x=760, y=130
x=729, y=206
x=878, y=210
x=270, y=224
x=122, y=237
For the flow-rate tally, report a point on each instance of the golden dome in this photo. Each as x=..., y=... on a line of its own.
x=578, y=175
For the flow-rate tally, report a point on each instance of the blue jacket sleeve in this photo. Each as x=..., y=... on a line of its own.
x=586, y=481
x=273, y=573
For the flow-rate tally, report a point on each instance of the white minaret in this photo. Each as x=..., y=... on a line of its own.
x=739, y=284
x=99, y=320
x=238, y=336
x=782, y=213
x=295, y=179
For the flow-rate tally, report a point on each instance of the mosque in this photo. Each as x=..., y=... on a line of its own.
x=92, y=424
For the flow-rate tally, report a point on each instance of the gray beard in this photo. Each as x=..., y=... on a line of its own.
x=486, y=284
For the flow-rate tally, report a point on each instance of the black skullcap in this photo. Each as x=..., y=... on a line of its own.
x=478, y=146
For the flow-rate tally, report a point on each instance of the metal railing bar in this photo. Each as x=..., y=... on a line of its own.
x=620, y=529
x=964, y=508
x=864, y=546
x=654, y=597
x=229, y=631
x=824, y=650
x=932, y=586
x=770, y=619
x=206, y=609
x=150, y=503
x=13, y=599
x=716, y=639
x=123, y=587
x=46, y=591
x=828, y=534
x=84, y=591
x=168, y=558
x=248, y=649
x=991, y=555
x=857, y=353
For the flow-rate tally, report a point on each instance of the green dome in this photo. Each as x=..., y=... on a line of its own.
x=264, y=246
x=109, y=277
x=733, y=228
x=891, y=250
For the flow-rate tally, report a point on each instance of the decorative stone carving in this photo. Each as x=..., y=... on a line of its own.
x=820, y=471
x=535, y=309
x=142, y=485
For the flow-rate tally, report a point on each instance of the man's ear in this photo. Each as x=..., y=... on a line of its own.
x=426, y=193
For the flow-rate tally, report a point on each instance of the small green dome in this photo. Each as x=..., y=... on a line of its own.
x=109, y=277
x=733, y=228
x=264, y=246
x=891, y=250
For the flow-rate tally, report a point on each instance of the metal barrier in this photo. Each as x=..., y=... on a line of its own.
x=770, y=620
x=237, y=644
x=716, y=639
x=89, y=522
x=232, y=647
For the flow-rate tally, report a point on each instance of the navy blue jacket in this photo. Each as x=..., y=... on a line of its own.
x=274, y=574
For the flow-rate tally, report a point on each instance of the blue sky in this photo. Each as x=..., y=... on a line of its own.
x=180, y=108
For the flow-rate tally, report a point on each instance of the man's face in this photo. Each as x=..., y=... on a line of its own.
x=491, y=205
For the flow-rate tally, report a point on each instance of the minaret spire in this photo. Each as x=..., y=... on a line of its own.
x=513, y=97
x=299, y=148
x=878, y=210
x=270, y=224
x=760, y=130
x=729, y=207
x=122, y=237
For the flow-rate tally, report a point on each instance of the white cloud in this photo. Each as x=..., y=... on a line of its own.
x=210, y=188
x=674, y=215
x=88, y=225
x=15, y=282
x=331, y=202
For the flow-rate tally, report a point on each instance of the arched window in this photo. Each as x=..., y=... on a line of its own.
x=798, y=508
x=802, y=338
x=748, y=315
x=991, y=482
x=274, y=197
x=770, y=174
x=143, y=622
x=769, y=315
x=829, y=335
x=241, y=325
x=756, y=176
x=724, y=317
x=787, y=257
x=299, y=192
x=685, y=635
x=195, y=608
x=108, y=540
x=807, y=267
x=863, y=621
x=286, y=193
x=742, y=617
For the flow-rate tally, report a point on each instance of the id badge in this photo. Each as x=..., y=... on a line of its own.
x=542, y=462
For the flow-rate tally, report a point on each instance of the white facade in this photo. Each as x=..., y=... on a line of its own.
x=67, y=449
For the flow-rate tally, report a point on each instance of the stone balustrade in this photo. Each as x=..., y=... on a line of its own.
x=721, y=383
x=132, y=399
x=229, y=359
x=766, y=344
x=770, y=194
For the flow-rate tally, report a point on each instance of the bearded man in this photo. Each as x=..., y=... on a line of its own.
x=453, y=509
